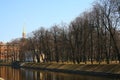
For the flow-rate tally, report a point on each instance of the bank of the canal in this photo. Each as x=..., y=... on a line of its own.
x=5, y=64
x=107, y=70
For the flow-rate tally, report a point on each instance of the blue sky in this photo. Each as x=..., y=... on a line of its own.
x=14, y=14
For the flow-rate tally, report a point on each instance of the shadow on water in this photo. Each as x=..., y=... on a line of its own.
x=16, y=64
x=9, y=73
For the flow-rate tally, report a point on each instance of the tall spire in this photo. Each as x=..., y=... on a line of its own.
x=24, y=33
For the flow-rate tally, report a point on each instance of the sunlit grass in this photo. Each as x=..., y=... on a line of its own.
x=87, y=62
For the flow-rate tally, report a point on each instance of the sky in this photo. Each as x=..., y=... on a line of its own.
x=33, y=14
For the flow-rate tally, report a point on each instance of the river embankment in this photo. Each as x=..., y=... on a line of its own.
x=107, y=70
x=5, y=64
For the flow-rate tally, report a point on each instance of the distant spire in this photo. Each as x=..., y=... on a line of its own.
x=24, y=33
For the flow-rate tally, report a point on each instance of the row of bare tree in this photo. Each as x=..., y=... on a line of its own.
x=93, y=36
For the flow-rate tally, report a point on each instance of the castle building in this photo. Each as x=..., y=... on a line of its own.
x=15, y=51
x=10, y=51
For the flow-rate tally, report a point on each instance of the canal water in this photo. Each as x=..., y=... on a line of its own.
x=8, y=73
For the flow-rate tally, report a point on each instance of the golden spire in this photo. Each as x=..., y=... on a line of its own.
x=24, y=33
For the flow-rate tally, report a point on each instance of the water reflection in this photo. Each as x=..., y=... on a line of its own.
x=27, y=74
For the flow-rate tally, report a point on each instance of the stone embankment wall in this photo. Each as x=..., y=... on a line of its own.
x=109, y=70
